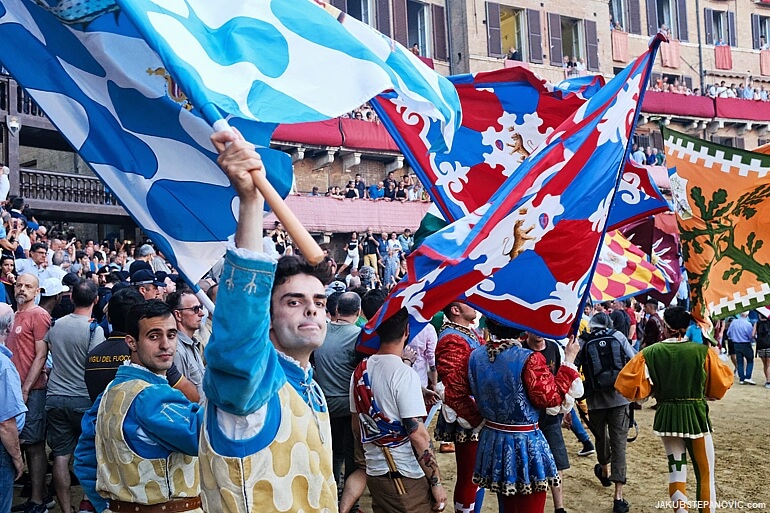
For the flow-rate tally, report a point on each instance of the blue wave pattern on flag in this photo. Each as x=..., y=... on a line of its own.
x=638, y=197
x=109, y=95
x=287, y=61
x=540, y=232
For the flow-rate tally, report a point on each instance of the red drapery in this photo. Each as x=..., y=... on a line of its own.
x=620, y=46
x=723, y=57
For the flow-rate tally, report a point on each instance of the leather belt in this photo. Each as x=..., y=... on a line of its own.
x=511, y=428
x=172, y=506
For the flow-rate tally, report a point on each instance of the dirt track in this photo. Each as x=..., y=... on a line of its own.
x=742, y=444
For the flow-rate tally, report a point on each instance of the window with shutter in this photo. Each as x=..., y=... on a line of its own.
x=535, y=36
x=708, y=25
x=732, y=37
x=592, y=46
x=740, y=143
x=652, y=17
x=634, y=17
x=400, y=24
x=383, y=17
x=687, y=82
x=681, y=19
x=755, y=34
x=439, y=33
x=342, y=5
x=494, y=45
x=554, y=34
x=656, y=140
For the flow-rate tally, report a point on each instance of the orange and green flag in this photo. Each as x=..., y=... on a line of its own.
x=722, y=201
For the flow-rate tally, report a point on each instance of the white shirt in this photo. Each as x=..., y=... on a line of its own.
x=396, y=387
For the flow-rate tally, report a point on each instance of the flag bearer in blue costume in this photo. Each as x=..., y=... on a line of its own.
x=266, y=442
x=140, y=439
x=510, y=384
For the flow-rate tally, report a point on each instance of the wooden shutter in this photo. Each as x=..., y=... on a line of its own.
x=653, y=78
x=592, y=45
x=383, y=17
x=681, y=20
x=708, y=25
x=634, y=17
x=687, y=82
x=656, y=138
x=400, y=26
x=535, y=36
x=652, y=18
x=342, y=5
x=554, y=34
x=494, y=43
x=755, y=31
x=740, y=143
x=439, y=33
x=732, y=37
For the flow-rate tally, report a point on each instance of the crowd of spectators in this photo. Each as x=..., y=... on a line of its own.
x=648, y=156
x=748, y=90
x=409, y=188
x=365, y=113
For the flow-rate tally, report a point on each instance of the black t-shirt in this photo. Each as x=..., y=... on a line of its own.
x=400, y=193
x=621, y=322
x=103, y=362
x=369, y=245
x=351, y=193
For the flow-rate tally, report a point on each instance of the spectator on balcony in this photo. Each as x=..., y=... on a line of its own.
x=748, y=92
x=637, y=154
x=401, y=194
x=513, y=54
x=720, y=42
x=416, y=49
x=350, y=190
x=314, y=192
x=660, y=158
x=649, y=157
x=390, y=192
x=407, y=180
x=580, y=65
x=763, y=44
x=389, y=180
x=360, y=186
x=762, y=93
x=376, y=192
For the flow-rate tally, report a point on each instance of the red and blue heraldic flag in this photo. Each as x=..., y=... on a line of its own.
x=539, y=233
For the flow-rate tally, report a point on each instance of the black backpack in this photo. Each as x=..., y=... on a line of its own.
x=602, y=358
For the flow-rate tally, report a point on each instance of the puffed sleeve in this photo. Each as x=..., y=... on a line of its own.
x=544, y=389
x=452, y=355
x=633, y=382
x=719, y=376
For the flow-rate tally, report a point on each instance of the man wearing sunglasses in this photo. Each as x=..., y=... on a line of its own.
x=188, y=314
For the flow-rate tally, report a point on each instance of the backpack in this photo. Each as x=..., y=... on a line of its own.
x=763, y=334
x=602, y=358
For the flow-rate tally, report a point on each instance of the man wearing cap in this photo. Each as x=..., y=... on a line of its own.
x=29, y=349
x=147, y=284
x=51, y=291
x=69, y=341
x=36, y=263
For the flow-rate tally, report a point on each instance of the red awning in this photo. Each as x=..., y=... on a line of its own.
x=322, y=214
x=357, y=133
x=678, y=104
x=320, y=133
x=733, y=108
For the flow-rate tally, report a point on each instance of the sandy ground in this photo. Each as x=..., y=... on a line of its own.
x=742, y=445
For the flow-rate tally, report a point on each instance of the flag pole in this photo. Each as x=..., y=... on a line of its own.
x=310, y=249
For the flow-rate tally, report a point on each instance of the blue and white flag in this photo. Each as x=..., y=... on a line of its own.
x=287, y=61
x=112, y=99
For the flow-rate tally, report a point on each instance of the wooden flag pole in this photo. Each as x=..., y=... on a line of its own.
x=309, y=248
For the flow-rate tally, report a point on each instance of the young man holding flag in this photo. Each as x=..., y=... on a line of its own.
x=266, y=442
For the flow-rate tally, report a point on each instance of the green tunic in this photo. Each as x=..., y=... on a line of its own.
x=678, y=374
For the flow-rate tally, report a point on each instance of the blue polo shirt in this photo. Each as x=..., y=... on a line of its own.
x=11, y=400
x=375, y=193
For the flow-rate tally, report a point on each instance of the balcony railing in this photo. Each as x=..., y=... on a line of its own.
x=60, y=187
